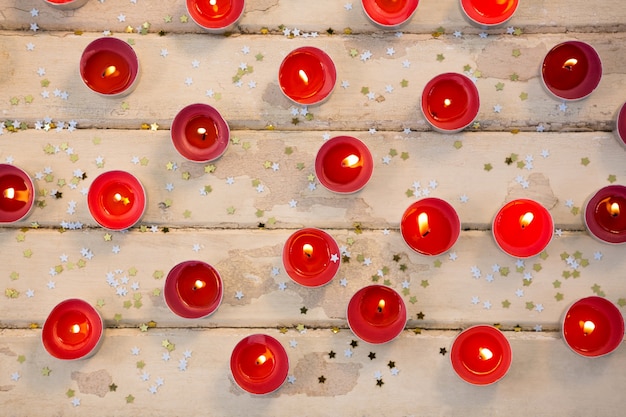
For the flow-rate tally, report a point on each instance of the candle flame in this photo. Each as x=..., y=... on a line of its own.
x=202, y=131
x=350, y=161
x=614, y=209
x=485, y=354
x=303, y=76
x=13, y=194
x=118, y=198
x=569, y=64
x=9, y=193
x=587, y=327
x=422, y=223
x=526, y=219
x=75, y=328
x=447, y=102
x=307, y=249
x=212, y=2
x=110, y=71
x=381, y=305
x=261, y=360
x=198, y=284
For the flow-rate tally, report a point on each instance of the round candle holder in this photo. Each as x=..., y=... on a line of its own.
x=259, y=364
x=215, y=16
x=17, y=194
x=450, y=102
x=430, y=226
x=593, y=327
x=620, y=125
x=605, y=214
x=344, y=164
x=481, y=355
x=73, y=330
x=65, y=4
x=193, y=289
x=311, y=257
x=376, y=314
x=522, y=228
x=489, y=13
x=116, y=200
x=571, y=70
x=389, y=14
x=109, y=67
x=307, y=76
x=200, y=133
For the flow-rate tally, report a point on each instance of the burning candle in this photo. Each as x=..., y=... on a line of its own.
x=571, y=70
x=620, y=125
x=430, y=226
x=109, y=67
x=311, y=257
x=450, y=102
x=193, y=289
x=389, y=14
x=259, y=364
x=215, y=16
x=307, y=75
x=65, y=4
x=116, y=200
x=17, y=194
x=593, y=326
x=73, y=330
x=199, y=133
x=481, y=355
x=485, y=13
x=522, y=228
x=344, y=164
x=376, y=314
x=605, y=214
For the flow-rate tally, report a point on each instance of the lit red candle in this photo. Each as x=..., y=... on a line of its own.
x=344, y=164
x=193, y=289
x=311, y=257
x=116, y=200
x=481, y=355
x=523, y=228
x=65, y=4
x=620, y=125
x=430, y=226
x=605, y=214
x=17, y=194
x=200, y=133
x=376, y=314
x=215, y=16
x=450, y=102
x=593, y=326
x=73, y=330
x=259, y=364
x=571, y=70
x=389, y=14
x=307, y=75
x=489, y=12
x=109, y=67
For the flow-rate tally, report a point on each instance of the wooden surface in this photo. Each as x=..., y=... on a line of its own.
x=213, y=211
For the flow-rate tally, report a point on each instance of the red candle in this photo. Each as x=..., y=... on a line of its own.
x=199, y=133
x=116, y=200
x=17, y=194
x=389, y=14
x=620, y=125
x=523, y=228
x=489, y=12
x=430, y=226
x=376, y=314
x=259, y=364
x=481, y=355
x=109, y=67
x=193, y=289
x=311, y=257
x=344, y=164
x=571, y=70
x=65, y=4
x=73, y=330
x=307, y=75
x=605, y=214
x=215, y=16
x=450, y=102
x=593, y=326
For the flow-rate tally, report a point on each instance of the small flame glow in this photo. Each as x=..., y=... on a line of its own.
x=303, y=76
x=201, y=131
x=212, y=2
x=9, y=193
x=588, y=327
x=307, y=249
x=110, y=71
x=261, y=360
x=570, y=63
x=485, y=354
x=526, y=219
x=614, y=209
x=381, y=305
x=198, y=284
x=350, y=161
x=75, y=328
x=118, y=198
x=422, y=223
x=447, y=102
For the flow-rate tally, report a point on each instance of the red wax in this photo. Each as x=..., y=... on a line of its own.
x=620, y=126
x=116, y=200
x=571, y=70
x=259, y=364
x=376, y=314
x=66, y=4
x=307, y=75
x=389, y=13
x=593, y=326
x=438, y=234
x=450, y=102
x=517, y=237
x=344, y=164
x=200, y=133
x=73, y=330
x=17, y=194
x=311, y=257
x=193, y=289
x=215, y=15
x=109, y=67
x=605, y=214
x=481, y=355
x=489, y=12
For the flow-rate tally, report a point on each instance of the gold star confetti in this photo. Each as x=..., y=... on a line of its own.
x=129, y=399
x=611, y=178
x=506, y=304
x=558, y=296
x=488, y=167
x=184, y=19
x=70, y=393
x=440, y=57
x=230, y=210
x=11, y=293
x=523, y=96
x=584, y=161
x=516, y=53
x=21, y=358
x=154, y=126
x=209, y=169
x=404, y=83
x=46, y=371
x=514, y=77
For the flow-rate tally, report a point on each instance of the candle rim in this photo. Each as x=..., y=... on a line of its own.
x=216, y=25
x=431, y=202
x=592, y=226
x=278, y=374
x=121, y=222
x=68, y=5
x=330, y=75
x=178, y=306
x=15, y=216
x=387, y=20
x=325, y=276
x=470, y=11
x=620, y=124
x=187, y=150
x=368, y=332
x=352, y=186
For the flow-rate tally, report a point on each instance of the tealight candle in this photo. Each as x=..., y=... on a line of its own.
x=450, y=102
x=17, y=194
x=344, y=164
x=73, y=330
x=109, y=67
x=259, y=364
x=65, y=4
x=389, y=14
x=199, y=133
x=571, y=70
x=430, y=226
x=116, y=200
x=311, y=257
x=376, y=314
x=307, y=75
x=193, y=289
x=605, y=214
x=481, y=355
x=593, y=326
x=485, y=13
x=215, y=16
x=522, y=228
x=620, y=125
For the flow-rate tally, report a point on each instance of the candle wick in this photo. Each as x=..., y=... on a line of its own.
x=426, y=233
x=380, y=309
